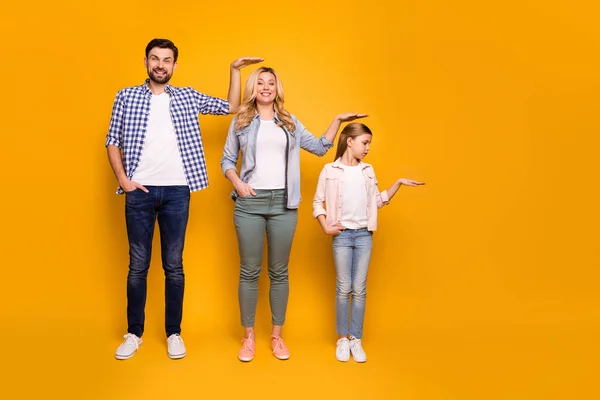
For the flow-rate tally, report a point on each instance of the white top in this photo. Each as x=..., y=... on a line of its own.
x=354, y=198
x=160, y=162
x=269, y=172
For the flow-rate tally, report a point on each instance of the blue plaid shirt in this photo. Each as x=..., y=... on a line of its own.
x=129, y=122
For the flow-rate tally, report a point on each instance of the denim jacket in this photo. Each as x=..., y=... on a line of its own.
x=244, y=140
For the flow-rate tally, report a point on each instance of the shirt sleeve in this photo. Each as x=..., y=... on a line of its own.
x=210, y=105
x=115, y=129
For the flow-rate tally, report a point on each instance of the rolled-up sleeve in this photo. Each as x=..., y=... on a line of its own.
x=114, y=136
x=382, y=197
x=210, y=105
x=319, y=199
x=231, y=150
x=311, y=143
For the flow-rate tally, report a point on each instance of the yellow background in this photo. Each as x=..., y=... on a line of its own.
x=483, y=283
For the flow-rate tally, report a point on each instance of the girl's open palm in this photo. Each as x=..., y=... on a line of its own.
x=409, y=182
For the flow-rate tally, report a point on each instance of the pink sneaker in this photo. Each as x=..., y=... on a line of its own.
x=280, y=350
x=247, y=351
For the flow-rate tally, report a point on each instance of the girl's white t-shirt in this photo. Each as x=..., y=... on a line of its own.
x=354, y=198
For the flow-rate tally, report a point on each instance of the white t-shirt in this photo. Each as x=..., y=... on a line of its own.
x=354, y=198
x=271, y=143
x=160, y=162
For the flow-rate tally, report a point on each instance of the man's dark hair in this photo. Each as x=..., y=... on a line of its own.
x=162, y=44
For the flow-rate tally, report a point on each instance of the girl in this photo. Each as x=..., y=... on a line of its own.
x=266, y=194
x=349, y=189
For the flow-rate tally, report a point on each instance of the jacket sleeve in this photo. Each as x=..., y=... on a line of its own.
x=231, y=150
x=311, y=143
x=382, y=197
x=319, y=199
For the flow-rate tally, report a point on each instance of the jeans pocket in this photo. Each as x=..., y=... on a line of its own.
x=242, y=204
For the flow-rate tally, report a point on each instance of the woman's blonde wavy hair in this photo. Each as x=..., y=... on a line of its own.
x=247, y=109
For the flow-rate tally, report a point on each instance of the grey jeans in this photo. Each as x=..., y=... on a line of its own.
x=253, y=216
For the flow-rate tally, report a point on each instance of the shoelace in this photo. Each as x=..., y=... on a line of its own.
x=246, y=344
x=175, y=340
x=356, y=346
x=129, y=338
x=278, y=343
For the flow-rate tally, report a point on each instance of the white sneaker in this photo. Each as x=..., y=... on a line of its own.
x=129, y=346
x=358, y=354
x=175, y=346
x=342, y=350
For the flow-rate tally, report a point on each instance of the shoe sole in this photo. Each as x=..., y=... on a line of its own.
x=124, y=357
x=245, y=359
x=342, y=360
x=282, y=357
x=359, y=361
x=118, y=357
x=176, y=356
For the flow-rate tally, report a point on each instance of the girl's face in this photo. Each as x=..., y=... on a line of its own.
x=359, y=146
x=266, y=88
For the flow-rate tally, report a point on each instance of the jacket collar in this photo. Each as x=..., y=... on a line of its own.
x=338, y=164
x=277, y=121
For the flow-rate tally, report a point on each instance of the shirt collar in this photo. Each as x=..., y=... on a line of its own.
x=338, y=164
x=168, y=89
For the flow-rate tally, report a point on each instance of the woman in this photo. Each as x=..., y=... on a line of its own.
x=267, y=193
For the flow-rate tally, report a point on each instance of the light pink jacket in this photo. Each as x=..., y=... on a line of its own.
x=330, y=189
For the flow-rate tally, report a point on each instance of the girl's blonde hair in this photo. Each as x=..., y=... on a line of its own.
x=247, y=109
x=351, y=130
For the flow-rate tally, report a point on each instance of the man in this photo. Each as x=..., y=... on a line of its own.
x=155, y=150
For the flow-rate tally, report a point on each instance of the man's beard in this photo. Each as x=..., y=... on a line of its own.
x=163, y=79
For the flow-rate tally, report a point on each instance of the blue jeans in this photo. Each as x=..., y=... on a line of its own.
x=170, y=204
x=351, y=253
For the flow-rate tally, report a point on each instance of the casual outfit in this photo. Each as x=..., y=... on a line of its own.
x=161, y=144
x=271, y=166
x=352, y=198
